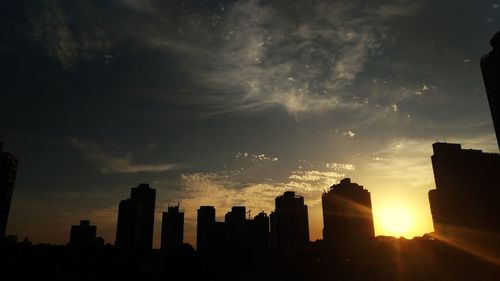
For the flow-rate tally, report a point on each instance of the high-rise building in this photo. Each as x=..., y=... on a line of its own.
x=235, y=227
x=126, y=226
x=136, y=219
x=490, y=66
x=84, y=235
x=467, y=194
x=8, y=170
x=257, y=233
x=172, y=229
x=205, y=230
x=289, y=222
x=347, y=215
x=145, y=198
x=236, y=233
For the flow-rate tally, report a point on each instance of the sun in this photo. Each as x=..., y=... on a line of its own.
x=395, y=221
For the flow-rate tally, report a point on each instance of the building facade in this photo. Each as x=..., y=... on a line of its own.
x=205, y=229
x=289, y=222
x=8, y=171
x=136, y=219
x=172, y=229
x=490, y=67
x=467, y=194
x=235, y=233
x=347, y=215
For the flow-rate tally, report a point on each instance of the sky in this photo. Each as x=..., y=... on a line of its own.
x=231, y=102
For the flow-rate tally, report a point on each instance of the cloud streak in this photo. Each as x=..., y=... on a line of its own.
x=116, y=164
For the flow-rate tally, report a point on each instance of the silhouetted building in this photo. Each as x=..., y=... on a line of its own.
x=84, y=235
x=347, y=215
x=136, y=219
x=126, y=226
x=257, y=233
x=246, y=234
x=235, y=227
x=205, y=230
x=289, y=222
x=467, y=194
x=172, y=229
x=8, y=170
x=235, y=234
x=490, y=66
x=219, y=238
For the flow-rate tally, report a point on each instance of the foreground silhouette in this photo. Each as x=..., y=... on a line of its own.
x=8, y=171
x=385, y=258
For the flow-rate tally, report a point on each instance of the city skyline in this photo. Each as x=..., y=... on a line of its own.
x=234, y=102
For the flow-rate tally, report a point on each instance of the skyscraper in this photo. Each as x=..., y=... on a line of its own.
x=347, y=215
x=136, y=219
x=467, y=194
x=289, y=222
x=8, y=170
x=257, y=232
x=235, y=227
x=490, y=66
x=126, y=226
x=172, y=229
x=205, y=230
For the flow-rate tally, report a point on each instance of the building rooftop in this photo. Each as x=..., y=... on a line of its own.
x=495, y=41
x=290, y=194
x=346, y=184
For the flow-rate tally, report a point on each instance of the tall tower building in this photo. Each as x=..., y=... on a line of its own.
x=8, y=170
x=289, y=222
x=136, y=219
x=205, y=230
x=257, y=232
x=126, y=226
x=172, y=229
x=490, y=66
x=144, y=196
x=347, y=215
x=235, y=227
x=467, y=194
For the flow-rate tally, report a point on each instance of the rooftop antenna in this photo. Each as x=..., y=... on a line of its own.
x=248, y=212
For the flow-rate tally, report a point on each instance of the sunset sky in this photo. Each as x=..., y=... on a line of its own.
x=234, y=102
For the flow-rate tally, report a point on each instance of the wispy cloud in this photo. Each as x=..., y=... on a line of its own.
x=51, y=28
x=402, y=161
x=297, y=56
x=301, y=69
x=225, y=189
x=255, y=157
x=349, y=134
x=117, y=164
x=398, y=8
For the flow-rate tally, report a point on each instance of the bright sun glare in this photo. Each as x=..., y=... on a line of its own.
x=396, y=221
